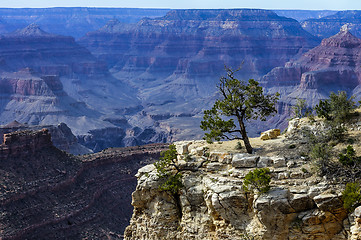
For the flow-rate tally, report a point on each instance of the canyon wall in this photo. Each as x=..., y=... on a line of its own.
x=47, y=194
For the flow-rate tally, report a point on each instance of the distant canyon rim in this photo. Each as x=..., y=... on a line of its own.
x=135, y=76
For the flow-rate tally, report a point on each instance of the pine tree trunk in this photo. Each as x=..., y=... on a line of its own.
x=247, y=144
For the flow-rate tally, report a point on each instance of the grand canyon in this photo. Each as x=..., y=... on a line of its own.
x=84, y=91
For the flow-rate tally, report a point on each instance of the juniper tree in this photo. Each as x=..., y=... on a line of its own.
x=239, y=100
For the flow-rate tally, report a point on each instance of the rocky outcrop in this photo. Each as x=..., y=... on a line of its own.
x=48, y=194
x=331, y=66
x=212, y=203
x=61, y=136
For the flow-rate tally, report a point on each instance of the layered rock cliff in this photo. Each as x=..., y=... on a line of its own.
x=46, y=193
x=331, y=66
x=61, y=136
x=46, y=79
x=175, y=61
x=329, y=25
x=212, y=203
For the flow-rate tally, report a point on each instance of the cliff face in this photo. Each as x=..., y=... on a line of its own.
x=175, y=61
x=331, y=66
x=46, y=79
x=48, y=194
x=61, y=136
x=212, y=203
x=329, y=25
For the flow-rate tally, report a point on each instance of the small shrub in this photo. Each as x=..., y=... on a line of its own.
x=258, y=179
x=238, y=146
x=349, y=158
x=338, y=107
x=167, y=169
x=336, y=132
x=300, y=110
x=187, y=157
x=304, y=170
x=351, y=196
x=320, y=154
x=172, y=184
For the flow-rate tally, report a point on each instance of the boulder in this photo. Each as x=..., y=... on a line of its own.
x=244, y=161
x=270, y=134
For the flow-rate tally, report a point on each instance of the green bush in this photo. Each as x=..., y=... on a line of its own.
x=258, y=179
x=351, y=196
x=238, y=146
x=338, y=107
x=167, y=169
x=336, y=131
x=300, y=110
x=321, y=154
x=349, y=158
x=172, y=184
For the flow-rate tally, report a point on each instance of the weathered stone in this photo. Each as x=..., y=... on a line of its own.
x=214, y=166
x=244, y=161
x=279, y=162
x=217, y=156
x=296, y=175
x=283, y=175
x=301, y=202
x=270, y=134
x=264, y=162
x=325, y=202
x=182, y=147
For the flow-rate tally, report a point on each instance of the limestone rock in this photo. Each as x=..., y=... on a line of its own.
x=270, y=134
x=244, y=161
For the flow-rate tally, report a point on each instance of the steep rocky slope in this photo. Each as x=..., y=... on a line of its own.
x=61, y=136
x=75, y=22
x=330, y=25
x=176, y=60
x=212, y=203
x=46, y=79
x=331, y=66
x=48, y=194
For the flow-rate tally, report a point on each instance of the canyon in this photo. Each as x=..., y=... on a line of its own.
x=330, y=67
x=327, y=26
x=84, y=80
x=175, y=61
x=141, y=82
x=46, y=193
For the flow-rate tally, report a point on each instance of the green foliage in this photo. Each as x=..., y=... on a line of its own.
x=258, y=179
x=351, y=196
x=238, y=146
x=167, y=169
x=321, y=154
x=172, y=184
x=337, y=108
x=300, y=110
x=216, y=125
x=336, y=131
x=240, y=100
x=350, y=157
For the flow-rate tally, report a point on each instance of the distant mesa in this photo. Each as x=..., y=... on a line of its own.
x=334, y=65
x=33, y=30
